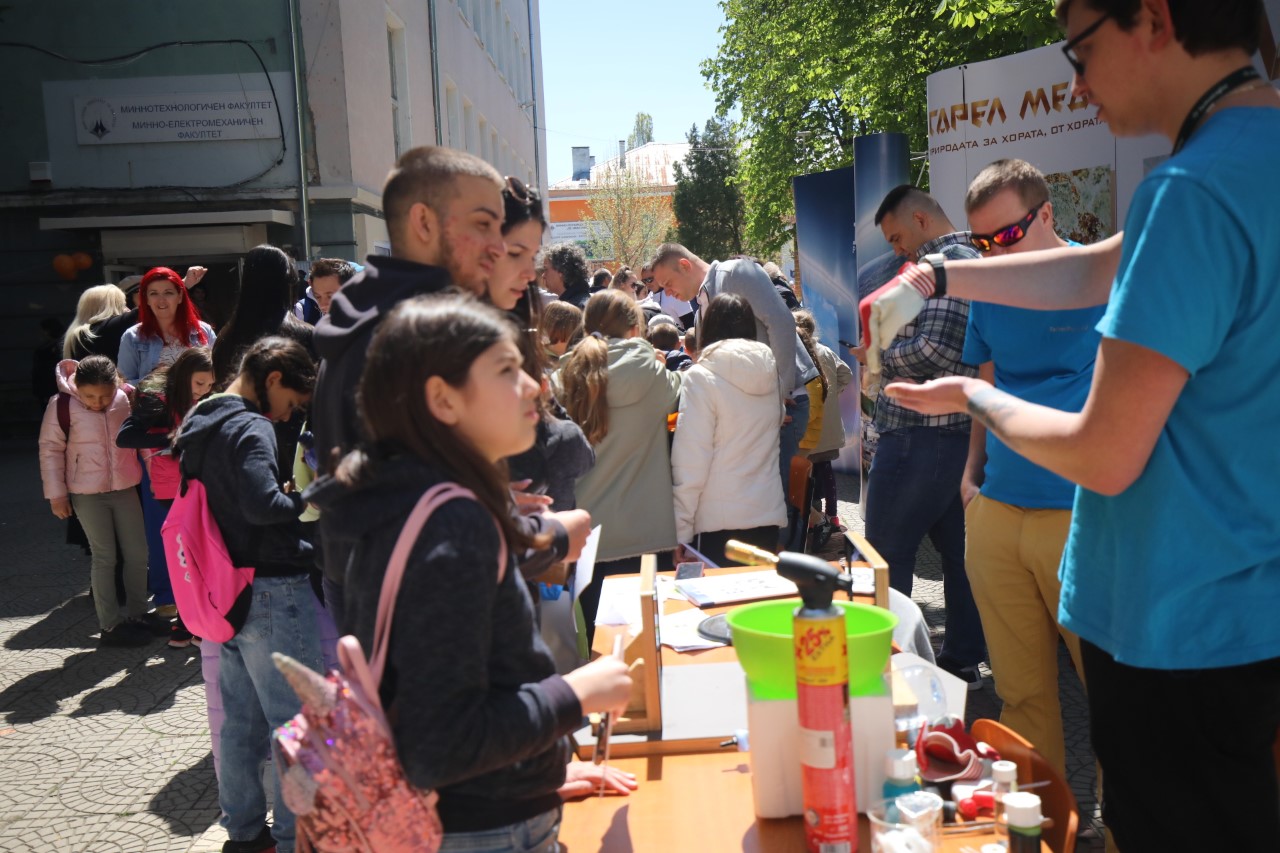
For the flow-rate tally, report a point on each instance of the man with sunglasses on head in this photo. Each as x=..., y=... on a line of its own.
x=1017, y=513
x=1171, y=572
x=667, y=304
x=913, y=489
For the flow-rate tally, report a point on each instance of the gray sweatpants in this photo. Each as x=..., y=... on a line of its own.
x=108, y=518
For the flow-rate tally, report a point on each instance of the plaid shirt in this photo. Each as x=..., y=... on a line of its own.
x=929, y=348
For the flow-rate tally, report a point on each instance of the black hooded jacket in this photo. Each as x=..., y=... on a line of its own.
x=342, y=340
x=475, y=705
x=230, y=447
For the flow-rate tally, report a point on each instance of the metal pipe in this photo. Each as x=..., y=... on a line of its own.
x=299, y=98
x=435, y=71
x=533, y=96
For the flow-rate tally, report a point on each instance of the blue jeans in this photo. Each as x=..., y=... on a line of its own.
x=789, y=446
x=536, y=835
x=914, y=489
x=257, y=699
x=154, y=512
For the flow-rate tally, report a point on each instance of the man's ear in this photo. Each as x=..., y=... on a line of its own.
x=1046, y=214
x=424, y=227
x=1157, y=22
x=921, y=219
x=442, y=400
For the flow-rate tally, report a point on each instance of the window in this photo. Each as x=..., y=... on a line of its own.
x=485, y=151
x=470, y=141
x=457, y=135
x=493, y=147
x=396, y=63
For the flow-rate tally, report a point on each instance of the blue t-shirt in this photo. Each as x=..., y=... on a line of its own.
x=1182, y=570
x=1043, y=357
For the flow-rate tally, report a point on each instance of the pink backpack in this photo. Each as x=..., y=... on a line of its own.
x=340, y=774
x=212, y=593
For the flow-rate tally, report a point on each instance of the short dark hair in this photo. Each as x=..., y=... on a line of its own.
x=601, y=278
x=1198, y=26
x=428, y=174
x=728, y=316
x=905, y=195
x=569, y=260
x=665, y=336
x=669, y=252
x=324, y=267
x=1010, y=174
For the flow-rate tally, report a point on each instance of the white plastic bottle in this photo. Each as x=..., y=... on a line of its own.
x=1004, y=777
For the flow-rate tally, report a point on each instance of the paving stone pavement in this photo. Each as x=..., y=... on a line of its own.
x=107, y=750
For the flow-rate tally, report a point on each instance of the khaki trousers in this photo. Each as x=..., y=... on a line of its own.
x=1012, y=556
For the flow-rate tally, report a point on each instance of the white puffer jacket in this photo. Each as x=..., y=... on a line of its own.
x=87, y=462
x=725, y=456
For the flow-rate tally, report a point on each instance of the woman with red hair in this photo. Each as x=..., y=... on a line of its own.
x=169, y=323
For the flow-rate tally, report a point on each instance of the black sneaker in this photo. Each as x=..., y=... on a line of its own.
x=157, y=626
x=179, y=636
x=125, y=634
x=968, y=674
x=264, y=843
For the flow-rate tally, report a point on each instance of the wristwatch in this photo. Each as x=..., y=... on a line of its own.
x=937, y=261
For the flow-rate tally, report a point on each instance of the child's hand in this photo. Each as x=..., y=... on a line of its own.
x=61, y=507
x=582, y=778
x=602, y=685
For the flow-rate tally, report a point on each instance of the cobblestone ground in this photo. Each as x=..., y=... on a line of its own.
x=106, y=750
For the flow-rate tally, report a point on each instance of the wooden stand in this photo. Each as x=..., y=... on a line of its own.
x=643, y=656
x=858, y=550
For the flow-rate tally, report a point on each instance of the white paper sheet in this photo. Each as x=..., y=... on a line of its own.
x=586, y=562
x=680, y=631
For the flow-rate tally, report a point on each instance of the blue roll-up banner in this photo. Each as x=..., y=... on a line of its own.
x=835, y=231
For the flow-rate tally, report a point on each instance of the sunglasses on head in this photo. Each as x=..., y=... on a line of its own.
x=1007, y=236
x=517, y=189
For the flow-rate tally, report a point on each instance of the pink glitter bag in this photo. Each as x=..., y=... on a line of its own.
x=340, y=774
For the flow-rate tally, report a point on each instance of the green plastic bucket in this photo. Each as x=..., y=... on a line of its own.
x=763, y=639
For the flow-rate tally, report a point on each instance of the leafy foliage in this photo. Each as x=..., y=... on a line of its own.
x=707, y=202
x=642, y=133
x=628, y=217
x=809, y=77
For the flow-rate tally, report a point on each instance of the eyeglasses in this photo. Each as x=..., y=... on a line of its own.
x=647, y=280
x=1007, y=236
x=1069, y=49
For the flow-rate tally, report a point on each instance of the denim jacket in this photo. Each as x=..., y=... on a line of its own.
x=139, y=355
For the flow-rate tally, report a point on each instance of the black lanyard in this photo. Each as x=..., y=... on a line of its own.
x=1234, y=80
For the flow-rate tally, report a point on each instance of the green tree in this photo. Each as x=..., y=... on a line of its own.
x=642, y=132
x=629, y=217
x=809, y=77
x=707, y=201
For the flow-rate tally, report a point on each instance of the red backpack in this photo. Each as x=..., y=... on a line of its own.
x=212, y=593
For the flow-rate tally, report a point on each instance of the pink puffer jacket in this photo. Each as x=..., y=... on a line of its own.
x=88, y=462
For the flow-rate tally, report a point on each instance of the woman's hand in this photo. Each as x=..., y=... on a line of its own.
x=61, y=507
x=582, y=778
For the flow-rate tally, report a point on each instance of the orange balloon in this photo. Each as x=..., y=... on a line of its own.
x=64, y=266
x=83, y=260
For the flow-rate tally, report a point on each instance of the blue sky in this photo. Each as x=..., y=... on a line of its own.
x=605, y=60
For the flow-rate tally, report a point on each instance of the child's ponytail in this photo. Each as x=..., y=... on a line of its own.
x=585, y=376
x=584, y=381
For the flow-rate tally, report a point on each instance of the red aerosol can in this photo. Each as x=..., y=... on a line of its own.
x=822, y=693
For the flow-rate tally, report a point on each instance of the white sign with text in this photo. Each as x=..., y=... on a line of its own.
x=176, y=117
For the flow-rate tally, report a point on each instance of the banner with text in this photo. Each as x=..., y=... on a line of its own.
x=1021, y=106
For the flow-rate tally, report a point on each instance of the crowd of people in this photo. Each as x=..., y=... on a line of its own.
x=666, y=405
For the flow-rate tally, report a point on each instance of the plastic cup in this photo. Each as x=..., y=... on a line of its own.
x=910, y=823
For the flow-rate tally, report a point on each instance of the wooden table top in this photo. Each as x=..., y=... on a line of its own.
x=699, y=802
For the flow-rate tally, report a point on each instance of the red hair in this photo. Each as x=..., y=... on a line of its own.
x=187, y=318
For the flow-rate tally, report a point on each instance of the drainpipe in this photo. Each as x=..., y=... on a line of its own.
x=533, y=95
x=435, y=71
x=299, y=98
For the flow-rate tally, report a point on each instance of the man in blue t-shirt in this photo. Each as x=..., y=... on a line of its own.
x=1017, y=513
x=1171, y=573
